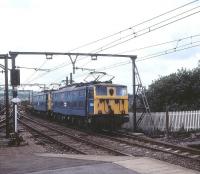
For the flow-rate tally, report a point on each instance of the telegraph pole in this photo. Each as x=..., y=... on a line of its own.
x=134, y=95
x=7, y=97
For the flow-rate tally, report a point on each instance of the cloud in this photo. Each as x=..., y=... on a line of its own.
x=15, y=4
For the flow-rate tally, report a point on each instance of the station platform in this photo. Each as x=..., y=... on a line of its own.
x=118, y=165
x=51, y=163
x=36, y=159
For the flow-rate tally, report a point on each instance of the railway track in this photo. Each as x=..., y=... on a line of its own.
x=148, y=143
x=127, y=144
x=159, y=143
x=68, y=140
x=128, y=141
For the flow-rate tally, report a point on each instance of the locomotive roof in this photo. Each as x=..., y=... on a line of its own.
x=79, y=86
x=84, y=85
x=109, y=84
x=39, y=93
x=93, y=83
x=42, y=92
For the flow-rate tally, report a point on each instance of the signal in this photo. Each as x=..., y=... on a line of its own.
x=15, y=77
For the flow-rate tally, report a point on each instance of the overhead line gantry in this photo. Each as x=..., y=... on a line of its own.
x=49, y=55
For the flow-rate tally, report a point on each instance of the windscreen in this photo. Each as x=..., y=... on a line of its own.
x=121, y=91
x=101, y=90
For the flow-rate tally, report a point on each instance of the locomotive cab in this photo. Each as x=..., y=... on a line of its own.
x=110, y=100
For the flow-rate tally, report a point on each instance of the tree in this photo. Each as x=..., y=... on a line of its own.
x=180, y=91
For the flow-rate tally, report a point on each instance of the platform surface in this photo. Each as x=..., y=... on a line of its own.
x=34, y=159
x=115, y=165
x=51, y=163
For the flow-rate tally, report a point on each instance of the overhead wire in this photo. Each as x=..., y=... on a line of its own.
x=166, y=52
x=144, y=31
x=169, y=51
x=179, y=40
x=147, y=56
x=161, y=44
x=143, y=22
x=100, y=50
x=28, y=80
x=158, y=54
x=150, y=56
x=120, y=32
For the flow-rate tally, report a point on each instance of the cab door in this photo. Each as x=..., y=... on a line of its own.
x=90, y=100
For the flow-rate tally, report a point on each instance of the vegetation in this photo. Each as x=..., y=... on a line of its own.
x=179, y=91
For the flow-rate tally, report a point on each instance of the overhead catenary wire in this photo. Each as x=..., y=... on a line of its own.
x=155, y=45
x=165, y=52
x=155, y=55
x=143, y=31
x=152, y=55
x=161, y=44
x=168, y=52
x=141, y=23
x=28, y=80
x=122, y=63
x=151, y=46
x=120, y=32
x=61, y=66
x=32, y=68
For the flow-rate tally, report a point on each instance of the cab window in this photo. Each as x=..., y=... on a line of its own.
x=121, y=91
x=101, y=90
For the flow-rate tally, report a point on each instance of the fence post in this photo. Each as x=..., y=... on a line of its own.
x=167, y=122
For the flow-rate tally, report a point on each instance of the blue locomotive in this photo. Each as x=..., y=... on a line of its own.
x=95, y=104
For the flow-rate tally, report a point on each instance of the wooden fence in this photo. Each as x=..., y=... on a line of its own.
x=182, y=120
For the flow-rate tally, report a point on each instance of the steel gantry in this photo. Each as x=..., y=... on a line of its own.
x=5, y=68
x=73, y=58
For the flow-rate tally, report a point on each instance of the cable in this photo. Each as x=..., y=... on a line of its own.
x=158, y=54
x=145, y=31
x=170, y=51
x=36, y=69
x=28, y=79
x=143, y=22
x=106, y=37
x=155, y=45
x=160, y=44
x=141, y=30
x=144, y=57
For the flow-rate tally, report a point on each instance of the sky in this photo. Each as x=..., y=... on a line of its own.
x=64, y=25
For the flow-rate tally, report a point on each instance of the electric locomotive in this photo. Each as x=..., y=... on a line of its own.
x=42, y=103
x=102, y=105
